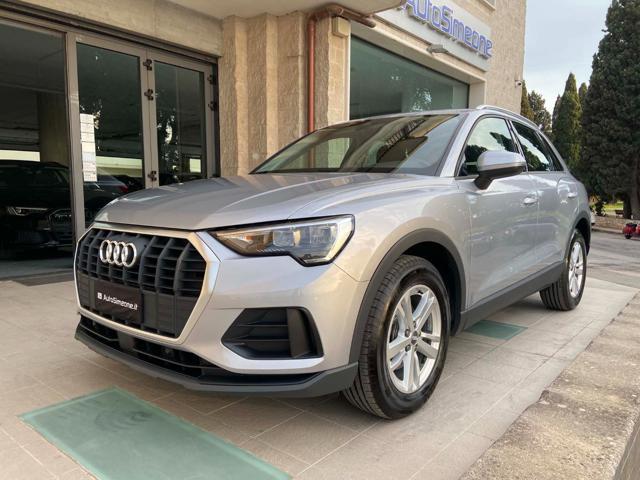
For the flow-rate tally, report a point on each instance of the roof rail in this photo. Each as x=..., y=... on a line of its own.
x=508, y=112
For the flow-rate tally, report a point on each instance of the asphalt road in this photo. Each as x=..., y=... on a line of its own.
x=615, y=259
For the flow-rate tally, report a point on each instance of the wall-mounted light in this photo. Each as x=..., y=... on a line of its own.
x=437, y=48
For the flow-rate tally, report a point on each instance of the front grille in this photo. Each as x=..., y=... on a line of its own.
x=176, y=361
x=169, y=273
x=167, y=265
x=60, y=221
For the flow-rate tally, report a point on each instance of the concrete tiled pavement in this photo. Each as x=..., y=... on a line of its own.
x=486, y=384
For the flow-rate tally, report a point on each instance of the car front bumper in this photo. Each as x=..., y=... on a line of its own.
x=310, y=385
x=233, y=284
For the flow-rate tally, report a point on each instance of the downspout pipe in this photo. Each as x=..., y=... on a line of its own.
x=330, y=11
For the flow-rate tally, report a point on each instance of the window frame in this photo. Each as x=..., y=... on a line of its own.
x=460, y=159
x=546, y=146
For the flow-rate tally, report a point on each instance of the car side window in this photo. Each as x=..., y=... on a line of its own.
x=557, y=165
x=535, y=152
x=489, y=134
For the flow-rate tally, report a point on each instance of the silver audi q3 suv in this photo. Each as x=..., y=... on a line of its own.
x=343, y=263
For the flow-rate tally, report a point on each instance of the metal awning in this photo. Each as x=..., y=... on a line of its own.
x=250, y=8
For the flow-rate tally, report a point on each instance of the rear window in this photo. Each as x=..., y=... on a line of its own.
x=535, y=151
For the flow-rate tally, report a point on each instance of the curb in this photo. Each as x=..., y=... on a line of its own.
x=586, y=424
x=606, y=230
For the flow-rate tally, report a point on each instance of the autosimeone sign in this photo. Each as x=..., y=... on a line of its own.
x=438, y=21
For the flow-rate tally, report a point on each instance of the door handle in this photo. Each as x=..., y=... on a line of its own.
x=530, y=200
x=572, y=195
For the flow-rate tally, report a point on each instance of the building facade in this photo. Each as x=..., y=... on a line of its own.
x=104, y=97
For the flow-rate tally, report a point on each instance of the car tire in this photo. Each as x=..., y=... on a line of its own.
x=412, y=282
x=563, y=295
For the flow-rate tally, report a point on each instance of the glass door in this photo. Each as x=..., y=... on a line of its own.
x=182, y=119
x=112, y=124
x=143, y=119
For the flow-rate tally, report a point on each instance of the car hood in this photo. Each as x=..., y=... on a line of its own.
x=219, y=202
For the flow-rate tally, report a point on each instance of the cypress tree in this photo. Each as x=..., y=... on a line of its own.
x=525, y=108
x=554, y=115
x=540, y=114
x=582, y=93
x=611, y=142
x=567, y=130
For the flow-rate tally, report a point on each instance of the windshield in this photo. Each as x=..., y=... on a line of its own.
x=411, y=144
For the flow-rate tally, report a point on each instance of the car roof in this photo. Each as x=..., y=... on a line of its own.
x=451, y=111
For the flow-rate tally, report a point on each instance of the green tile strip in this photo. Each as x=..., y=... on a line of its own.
x=502, y=331
x=116, y=436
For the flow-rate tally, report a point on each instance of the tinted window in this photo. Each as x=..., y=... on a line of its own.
x=382, y=83
x=535, y=152
x=489, y=134
x=550, y=153
x=407, y=144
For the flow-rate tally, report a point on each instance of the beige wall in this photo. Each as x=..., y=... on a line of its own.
x=263, y=85
x=159, y=19
x=332, y=81
x=262, y=88
x=507, y=22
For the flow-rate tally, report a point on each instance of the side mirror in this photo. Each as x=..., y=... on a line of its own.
x=495, y=164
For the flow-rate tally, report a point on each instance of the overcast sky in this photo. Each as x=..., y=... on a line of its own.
x=562, y=36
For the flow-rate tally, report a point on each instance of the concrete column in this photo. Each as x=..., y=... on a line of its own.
x=477, y=94
x=52, y=128
x=332, y=80
x=263, y=82
x=234, y=98
x=262, y=73
x=262, y=88
x=292, y=77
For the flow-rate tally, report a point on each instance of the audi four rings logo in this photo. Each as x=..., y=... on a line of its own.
x=121, y=254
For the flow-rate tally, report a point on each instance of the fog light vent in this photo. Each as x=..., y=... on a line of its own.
x=273, y=333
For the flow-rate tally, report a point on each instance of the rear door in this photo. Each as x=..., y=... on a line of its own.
x=503, y=217
x=557, y=196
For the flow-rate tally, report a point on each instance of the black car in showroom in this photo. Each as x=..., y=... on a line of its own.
x=35, y=205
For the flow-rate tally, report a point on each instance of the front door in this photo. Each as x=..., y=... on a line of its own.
x=503, y=217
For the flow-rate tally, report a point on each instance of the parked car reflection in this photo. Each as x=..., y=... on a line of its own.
x=35, y=205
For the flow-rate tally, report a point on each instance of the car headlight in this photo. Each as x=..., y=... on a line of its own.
x=24, y=211
x=311, y=242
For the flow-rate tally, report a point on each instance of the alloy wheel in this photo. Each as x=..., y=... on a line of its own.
x=576, y=269
x=413, y=338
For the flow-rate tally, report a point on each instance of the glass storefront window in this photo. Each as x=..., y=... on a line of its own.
x=146, y=119
x=384, y=83
x=36, y=233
